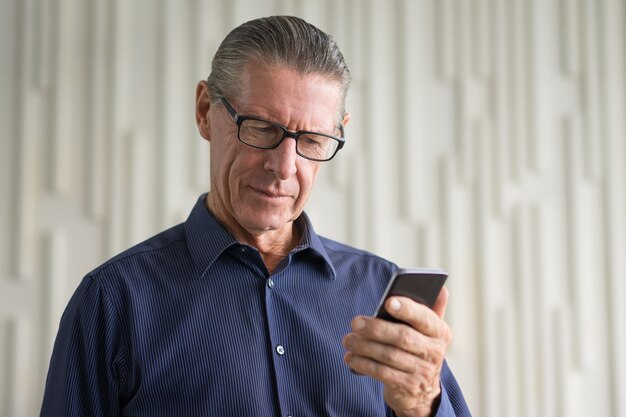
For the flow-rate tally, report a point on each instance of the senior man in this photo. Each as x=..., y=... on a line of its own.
x=243, y=309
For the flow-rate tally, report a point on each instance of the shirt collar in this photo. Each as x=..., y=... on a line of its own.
x=207, y=238
x=310, y=240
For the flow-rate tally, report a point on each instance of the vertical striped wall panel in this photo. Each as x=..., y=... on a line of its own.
x=487, y=137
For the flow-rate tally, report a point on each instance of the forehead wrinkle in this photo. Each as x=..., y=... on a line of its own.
x=286, y=115
x=288, y=119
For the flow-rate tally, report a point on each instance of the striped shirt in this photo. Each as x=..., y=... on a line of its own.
x=190, y=323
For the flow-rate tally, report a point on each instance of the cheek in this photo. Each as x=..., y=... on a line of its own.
x=219, y=163
x=223, y=169
x=307, y=178
x=238, y=167
x=224, y=152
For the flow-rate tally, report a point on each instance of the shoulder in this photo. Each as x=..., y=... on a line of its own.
x=135, y=273
x=347, y=250
x=346, y=256
x=166, y=247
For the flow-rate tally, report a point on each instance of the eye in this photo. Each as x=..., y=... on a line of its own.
x=311, y=140
x=259, y=133
x=257, y=124
x=264, y=129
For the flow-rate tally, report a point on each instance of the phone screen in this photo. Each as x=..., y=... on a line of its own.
x=420, y=285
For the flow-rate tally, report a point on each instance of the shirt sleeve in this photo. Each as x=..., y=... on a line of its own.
x=452, y=402
x=86, y=369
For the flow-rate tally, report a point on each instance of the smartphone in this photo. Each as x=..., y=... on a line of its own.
x=419, y=284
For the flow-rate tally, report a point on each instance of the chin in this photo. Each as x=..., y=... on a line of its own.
x=266, y=223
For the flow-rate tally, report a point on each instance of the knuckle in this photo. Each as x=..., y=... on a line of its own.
x=440, y=350
x=437, y=355
x=430, y=326
x=428, y=372
x=389, y=355
x=417, y=386
x=375, y=328
x=425, y=388
x=405, y=337
x=385, y=373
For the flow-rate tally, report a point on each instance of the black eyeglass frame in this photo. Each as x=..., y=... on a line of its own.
x=239, y=119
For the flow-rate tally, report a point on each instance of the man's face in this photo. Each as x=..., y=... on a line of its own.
x=265, y=190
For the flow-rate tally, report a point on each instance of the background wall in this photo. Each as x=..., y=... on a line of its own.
x=487, y=138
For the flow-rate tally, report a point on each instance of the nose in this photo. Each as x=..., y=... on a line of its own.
x=281, y=161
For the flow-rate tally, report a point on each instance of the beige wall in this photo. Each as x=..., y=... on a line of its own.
x=487, y=138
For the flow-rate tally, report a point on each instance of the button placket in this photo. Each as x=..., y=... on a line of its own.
x=277, y=335
x=280, y=349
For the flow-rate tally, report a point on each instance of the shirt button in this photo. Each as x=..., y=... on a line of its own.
x=280, y=350
x=270, y=282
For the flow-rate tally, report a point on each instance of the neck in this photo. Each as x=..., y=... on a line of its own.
x=272, y=250
x=273, y=245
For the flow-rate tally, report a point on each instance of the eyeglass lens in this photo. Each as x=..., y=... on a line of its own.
x=262, y=134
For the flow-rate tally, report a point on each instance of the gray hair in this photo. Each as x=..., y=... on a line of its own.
x=284, y=41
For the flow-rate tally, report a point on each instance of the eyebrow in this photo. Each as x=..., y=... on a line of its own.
x=234, y=113
x=257, y=117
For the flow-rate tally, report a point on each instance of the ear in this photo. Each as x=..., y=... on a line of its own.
x=346, y=119
x=203, y=104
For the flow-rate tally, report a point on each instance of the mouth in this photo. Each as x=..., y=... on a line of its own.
x=270, y=194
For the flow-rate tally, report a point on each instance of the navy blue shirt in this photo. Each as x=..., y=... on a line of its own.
x=190, y=323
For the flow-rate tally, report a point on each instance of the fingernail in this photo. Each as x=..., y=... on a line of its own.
x=359, y=324
x=395, y=305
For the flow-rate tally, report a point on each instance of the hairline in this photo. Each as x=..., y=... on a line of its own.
x=258, y=63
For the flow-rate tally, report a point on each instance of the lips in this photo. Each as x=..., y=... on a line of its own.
x=270, y=193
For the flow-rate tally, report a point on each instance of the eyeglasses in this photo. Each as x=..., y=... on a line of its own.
x=262, y=134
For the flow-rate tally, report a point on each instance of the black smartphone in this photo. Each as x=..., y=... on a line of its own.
x=419, y=284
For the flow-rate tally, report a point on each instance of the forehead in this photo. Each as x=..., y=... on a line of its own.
x=289, y=97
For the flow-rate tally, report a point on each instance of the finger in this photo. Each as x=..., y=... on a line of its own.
x=399, y=335
x=441, y=303
x=424, y=380
x=382, y=353
x=417, y=315
x=381, y=372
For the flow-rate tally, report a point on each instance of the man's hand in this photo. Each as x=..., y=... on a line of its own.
x=406, y=358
